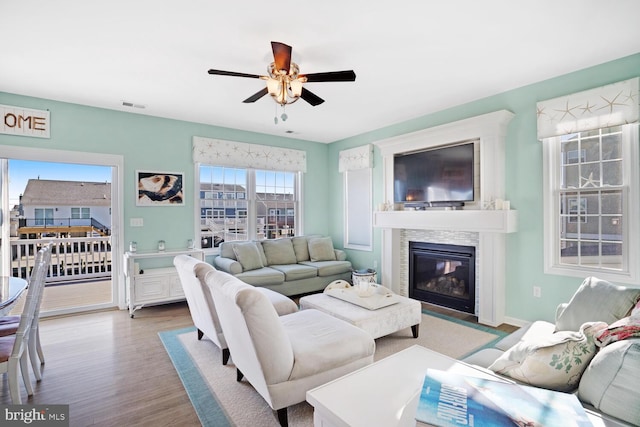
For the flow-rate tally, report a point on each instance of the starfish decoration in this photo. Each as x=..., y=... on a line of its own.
x=567, y=110
x=631, y=96
x=540, y=111
x=589, y=182
x=611, y=103
x=587, y=108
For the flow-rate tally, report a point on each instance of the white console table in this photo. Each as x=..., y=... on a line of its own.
x=150, y=286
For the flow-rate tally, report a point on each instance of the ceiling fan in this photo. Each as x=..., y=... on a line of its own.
x=284, y=81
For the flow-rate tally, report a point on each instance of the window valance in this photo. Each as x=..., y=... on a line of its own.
x=243, y=155
x=610, y=105
x=355, y=158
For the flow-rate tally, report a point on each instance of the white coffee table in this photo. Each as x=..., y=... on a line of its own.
x=386, y=393
x=405, y=313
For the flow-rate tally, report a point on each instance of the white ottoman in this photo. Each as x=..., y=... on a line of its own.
x=378, y=323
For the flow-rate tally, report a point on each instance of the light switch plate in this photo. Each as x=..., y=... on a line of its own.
x=136, y=222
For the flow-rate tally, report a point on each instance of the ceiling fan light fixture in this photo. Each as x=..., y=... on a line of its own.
x=273, y=86
x=284, y=81
x=296, y=87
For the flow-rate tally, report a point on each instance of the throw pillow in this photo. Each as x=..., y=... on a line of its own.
x=301, y=248
x=628, y=327
x=597, y=300
x=248, y=256
x=610, y=383
x=555, y=362
x=279, y=251
x=321, y=249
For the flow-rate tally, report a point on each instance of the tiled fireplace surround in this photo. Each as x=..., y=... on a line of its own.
x=471, y=226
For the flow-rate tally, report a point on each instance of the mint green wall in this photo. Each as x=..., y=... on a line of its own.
x=150, y=143
x=158, y=144
x=523, y=187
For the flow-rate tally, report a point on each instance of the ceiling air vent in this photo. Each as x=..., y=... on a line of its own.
x=132, y=105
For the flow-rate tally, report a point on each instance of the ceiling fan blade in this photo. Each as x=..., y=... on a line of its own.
x=256, y=96
x=233, y=74
x=311, y=97
x=331, y=76
x=281, y=55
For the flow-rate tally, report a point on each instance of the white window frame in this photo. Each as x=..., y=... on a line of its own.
x=358, y=212
x=250, y=196
x=631, y=205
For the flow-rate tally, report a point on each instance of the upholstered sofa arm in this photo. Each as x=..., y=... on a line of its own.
x=227, y=265
x=281, y=303
x=340, y=255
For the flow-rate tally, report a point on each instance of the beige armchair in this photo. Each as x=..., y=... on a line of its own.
x=283, y=357
x=192, y=274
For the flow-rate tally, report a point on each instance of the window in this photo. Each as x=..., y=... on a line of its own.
x=80, y=213
x=590, y=195
x=358, y=212
x=44, y=216
x=355, y=165
x=245, y=204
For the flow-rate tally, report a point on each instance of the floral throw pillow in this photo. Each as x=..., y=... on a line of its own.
x=555, y=362
x=628, y=327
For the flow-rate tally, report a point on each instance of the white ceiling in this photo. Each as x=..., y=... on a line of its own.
x=411, y=57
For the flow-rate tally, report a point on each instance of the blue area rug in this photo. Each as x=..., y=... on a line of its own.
x=211, y=409
x=204, y=401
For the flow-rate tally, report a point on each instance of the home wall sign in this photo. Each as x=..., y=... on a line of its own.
x=24, y=121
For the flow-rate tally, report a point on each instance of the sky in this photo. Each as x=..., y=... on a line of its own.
x=20, y=171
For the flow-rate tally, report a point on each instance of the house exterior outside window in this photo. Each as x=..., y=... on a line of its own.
x=250, y=204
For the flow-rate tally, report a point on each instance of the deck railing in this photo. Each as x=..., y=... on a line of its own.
x=72, y=259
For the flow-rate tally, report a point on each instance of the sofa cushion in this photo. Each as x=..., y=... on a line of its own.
x=279, y=251
x=330, y=268
x=321, y=249
x=313, y=336
x=625, y=328
x=226, y=250
x=248, y=255
x=610, y=382
x=262, y=255
x=265, y=276
x=301, y=248
x=597, y=300
x=296, y=271
x=555, y=362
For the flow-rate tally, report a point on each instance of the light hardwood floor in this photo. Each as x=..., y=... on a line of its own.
x=114, y=371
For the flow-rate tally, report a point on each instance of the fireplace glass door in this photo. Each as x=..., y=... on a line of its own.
x=443, y=275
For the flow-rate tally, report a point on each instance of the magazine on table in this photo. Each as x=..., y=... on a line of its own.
x=450, y=400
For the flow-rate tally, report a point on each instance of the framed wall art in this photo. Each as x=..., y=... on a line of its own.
x=159, y=188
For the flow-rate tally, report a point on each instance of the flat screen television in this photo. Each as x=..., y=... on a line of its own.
x=441, y=176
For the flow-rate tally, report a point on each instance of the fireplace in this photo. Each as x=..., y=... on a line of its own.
x=443, y=275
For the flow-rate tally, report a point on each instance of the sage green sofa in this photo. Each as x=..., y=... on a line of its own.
x=592, y=349
x=290, y=265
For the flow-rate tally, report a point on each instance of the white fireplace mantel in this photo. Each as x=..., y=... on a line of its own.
x=491, y=226
x=481, y=221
